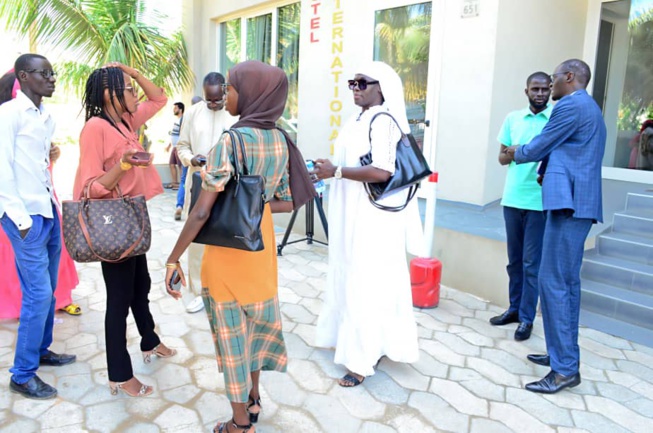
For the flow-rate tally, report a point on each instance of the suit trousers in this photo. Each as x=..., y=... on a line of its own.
x=524, y=232
x=559, y=282
x=128, y=286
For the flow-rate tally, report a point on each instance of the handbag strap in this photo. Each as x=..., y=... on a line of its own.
x=372, y=121
x=236, y=136
x=87, y=236
x=411, y=193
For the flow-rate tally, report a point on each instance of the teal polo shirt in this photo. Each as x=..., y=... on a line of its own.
x=521, y=190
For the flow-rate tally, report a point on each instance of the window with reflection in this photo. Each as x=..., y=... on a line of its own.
x=283, y=23
x=402, y=38
x=623, y=82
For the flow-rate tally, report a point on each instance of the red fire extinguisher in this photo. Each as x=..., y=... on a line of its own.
x=426, y=272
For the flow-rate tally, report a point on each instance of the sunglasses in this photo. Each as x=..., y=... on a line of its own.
x=45, y=73
x=361, y=84
x=131, y=90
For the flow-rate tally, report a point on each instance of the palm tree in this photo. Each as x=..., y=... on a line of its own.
x=97, y=32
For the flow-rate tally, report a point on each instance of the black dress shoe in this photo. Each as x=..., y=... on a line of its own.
x=34, y=388
x=539, y=359
x=56, y=359
x=505, y=318
x=554, y=382
x=523, y=331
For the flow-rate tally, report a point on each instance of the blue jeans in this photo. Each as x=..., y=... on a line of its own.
x=181, y=193
x=37, y=263
x=524, y=231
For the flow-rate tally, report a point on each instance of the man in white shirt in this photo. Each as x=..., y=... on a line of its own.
x=30, y=220
x=203, y=125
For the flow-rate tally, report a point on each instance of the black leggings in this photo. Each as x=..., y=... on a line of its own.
x=128, y=285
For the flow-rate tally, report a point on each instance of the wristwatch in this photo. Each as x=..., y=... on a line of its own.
x=338, y=173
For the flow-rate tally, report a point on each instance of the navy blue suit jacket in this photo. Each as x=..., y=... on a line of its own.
x=574, y=141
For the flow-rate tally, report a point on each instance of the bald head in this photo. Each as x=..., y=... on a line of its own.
x=580, y=69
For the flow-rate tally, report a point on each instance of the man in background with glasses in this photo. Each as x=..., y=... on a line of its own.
x=203, y=125
x=522, y=207
x=30, y=220
x=574, y=142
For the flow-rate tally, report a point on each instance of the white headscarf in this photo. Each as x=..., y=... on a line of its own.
x=392, y=89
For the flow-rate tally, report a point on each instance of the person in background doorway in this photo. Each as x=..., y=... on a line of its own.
x=368, y=310
x=29, y=217
x=522, y=207
x=574, y=141
x=176, y=168
x=203, y=125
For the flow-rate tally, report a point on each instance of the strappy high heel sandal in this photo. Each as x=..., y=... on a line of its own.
x=254, y=409
x=144, y=391
x=147, y=356
x=221, y=427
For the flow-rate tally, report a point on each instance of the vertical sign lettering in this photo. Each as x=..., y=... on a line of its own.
x=315, y=21
x=335, y=105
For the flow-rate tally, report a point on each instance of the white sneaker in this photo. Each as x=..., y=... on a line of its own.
x=195, y=305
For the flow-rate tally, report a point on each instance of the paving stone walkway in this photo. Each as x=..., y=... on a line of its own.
x=469, y=377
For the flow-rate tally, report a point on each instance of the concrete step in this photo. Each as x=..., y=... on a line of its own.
x=620, y=304
x=617, y=272
x=636, y=201
x=636, y=334
x=626, y=246
x=635, y=221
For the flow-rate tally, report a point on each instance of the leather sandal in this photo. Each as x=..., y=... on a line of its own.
x=223, y=427
x=254, y=409
x=349, y=380
x=158, y=351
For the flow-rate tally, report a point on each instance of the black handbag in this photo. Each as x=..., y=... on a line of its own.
x=410, y=168
x=235, y=220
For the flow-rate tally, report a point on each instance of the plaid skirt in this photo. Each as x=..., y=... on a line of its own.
x=247, y=338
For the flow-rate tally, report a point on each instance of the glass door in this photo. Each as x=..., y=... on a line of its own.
x=402, y=39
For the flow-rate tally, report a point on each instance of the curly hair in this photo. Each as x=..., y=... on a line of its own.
x=93, y=101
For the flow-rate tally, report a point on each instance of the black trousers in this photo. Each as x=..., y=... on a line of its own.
x=128, y=286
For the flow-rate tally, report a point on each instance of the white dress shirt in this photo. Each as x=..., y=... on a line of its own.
x=25, y=183
x=200, y=131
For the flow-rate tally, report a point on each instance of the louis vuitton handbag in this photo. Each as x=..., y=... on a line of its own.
x=235, y=219
x=106, y=230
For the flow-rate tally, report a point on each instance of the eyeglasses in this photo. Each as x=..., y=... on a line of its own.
x=361, y=84
x=225, y=87
x=131, y=90
x=45, y=73
x=553, y=76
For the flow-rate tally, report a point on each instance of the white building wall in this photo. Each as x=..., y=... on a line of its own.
x=482, y=66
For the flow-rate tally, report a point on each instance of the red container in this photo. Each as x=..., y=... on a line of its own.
x=425, y=274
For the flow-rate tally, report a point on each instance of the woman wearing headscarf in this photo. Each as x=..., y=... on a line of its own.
x=240, y=287
x=367, y=312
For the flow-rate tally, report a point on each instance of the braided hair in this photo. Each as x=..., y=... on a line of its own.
x=93, y=102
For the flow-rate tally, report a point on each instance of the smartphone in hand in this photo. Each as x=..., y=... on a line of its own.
x=175, y=281
x=140, y=158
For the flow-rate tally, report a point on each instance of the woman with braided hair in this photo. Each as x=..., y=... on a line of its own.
x=107, y=143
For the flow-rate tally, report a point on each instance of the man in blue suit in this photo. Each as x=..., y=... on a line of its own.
x=572, y=146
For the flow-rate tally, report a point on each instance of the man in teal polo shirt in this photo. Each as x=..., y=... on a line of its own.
x=522, y=207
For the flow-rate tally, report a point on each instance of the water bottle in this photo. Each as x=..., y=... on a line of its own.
x=320, y=187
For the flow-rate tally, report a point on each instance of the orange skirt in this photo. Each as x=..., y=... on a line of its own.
x=243, y=276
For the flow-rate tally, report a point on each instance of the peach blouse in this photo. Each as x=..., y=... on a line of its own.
x=102, y=146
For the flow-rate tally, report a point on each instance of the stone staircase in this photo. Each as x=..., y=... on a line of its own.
x=617, y=275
